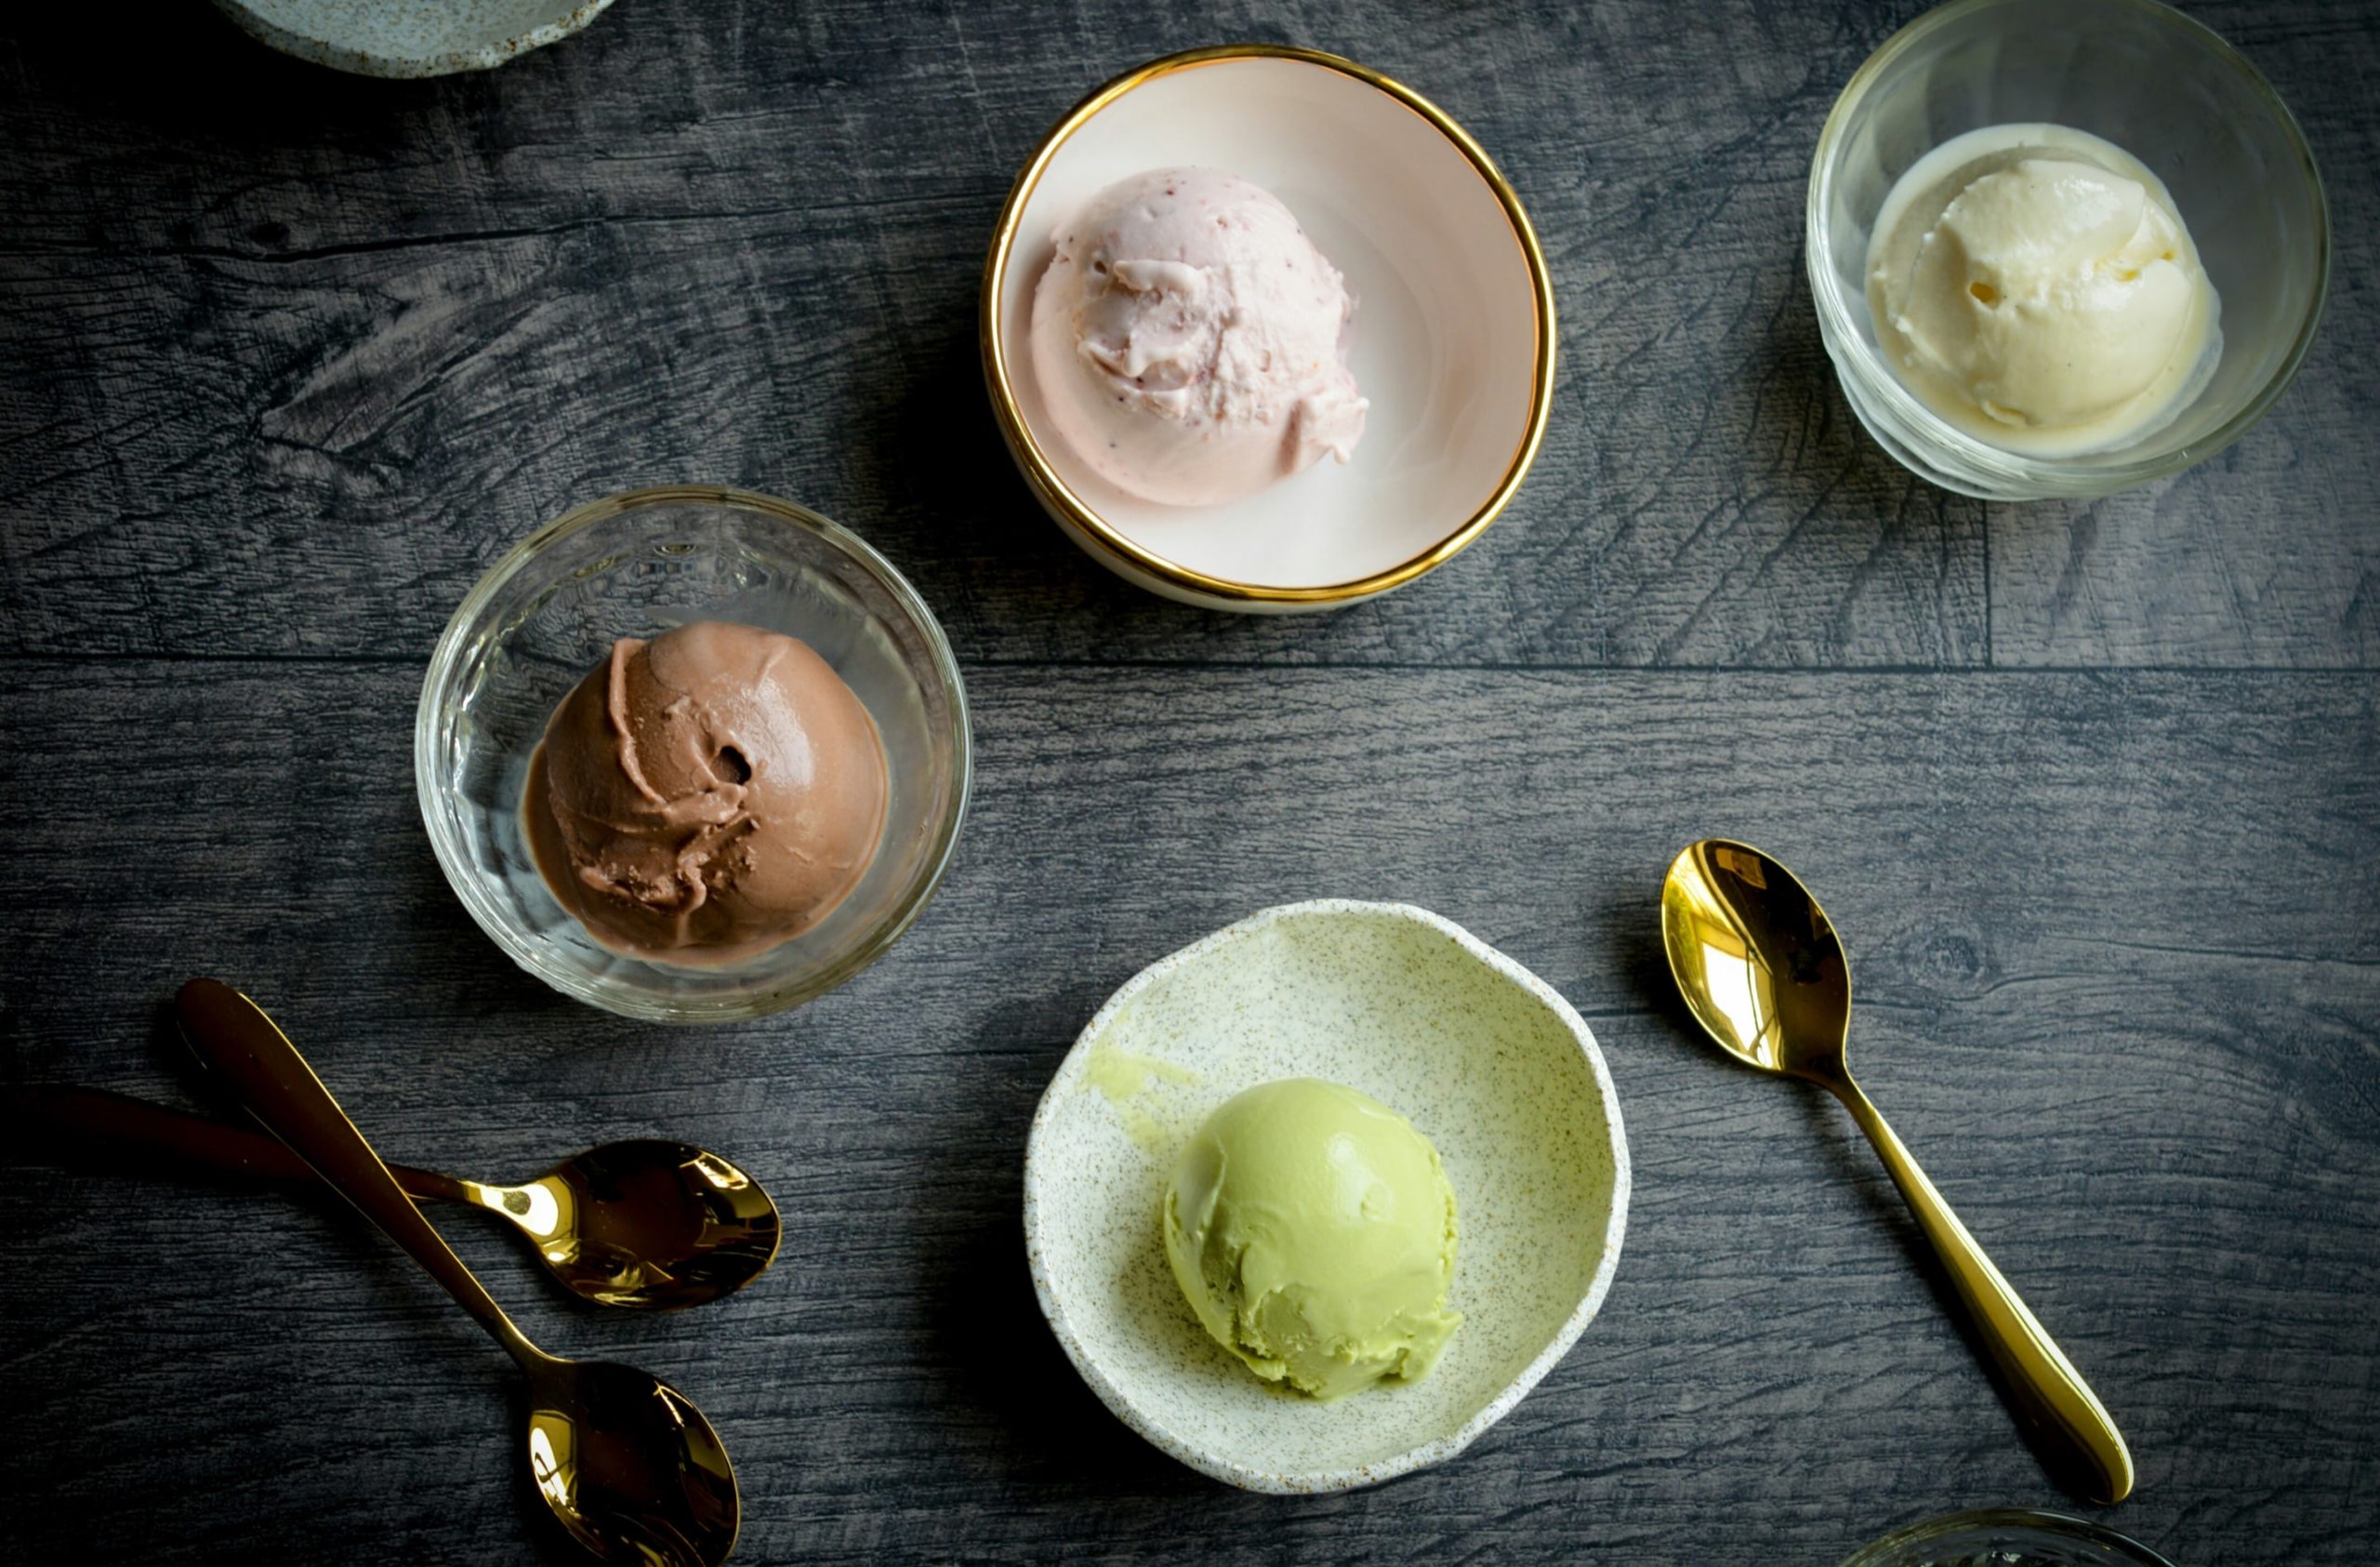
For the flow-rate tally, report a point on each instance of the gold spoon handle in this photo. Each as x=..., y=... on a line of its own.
x=2068, y=1422
x=238, y=1040
x=92, y=1125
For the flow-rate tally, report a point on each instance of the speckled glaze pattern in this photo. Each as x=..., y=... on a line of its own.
x=374, y=38
x=1482, y=1055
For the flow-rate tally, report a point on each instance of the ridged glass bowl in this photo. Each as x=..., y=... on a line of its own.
x=2158, y=85
x=637, y=565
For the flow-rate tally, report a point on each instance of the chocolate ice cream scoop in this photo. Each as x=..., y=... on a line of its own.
x=706, y=795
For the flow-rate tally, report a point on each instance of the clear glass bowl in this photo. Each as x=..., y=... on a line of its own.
x=636, y=564
x=2005, y=1537
x=2160, y=86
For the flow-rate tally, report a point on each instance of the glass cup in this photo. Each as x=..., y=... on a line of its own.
x=2158, y=85
x=637, y=565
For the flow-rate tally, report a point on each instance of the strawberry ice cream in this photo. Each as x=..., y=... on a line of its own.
x=1190, y=341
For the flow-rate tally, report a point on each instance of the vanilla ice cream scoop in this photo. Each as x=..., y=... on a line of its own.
x=1190, y=341
x=2035, y=286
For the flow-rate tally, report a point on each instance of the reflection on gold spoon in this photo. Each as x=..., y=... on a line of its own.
x=631, y=1469
x=1763, y=972
x=640, y=1223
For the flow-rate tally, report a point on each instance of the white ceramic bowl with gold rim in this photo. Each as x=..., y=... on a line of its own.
x=1453, y=340
x=1484, y=1057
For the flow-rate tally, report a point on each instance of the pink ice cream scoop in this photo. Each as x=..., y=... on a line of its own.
x=1191, y=342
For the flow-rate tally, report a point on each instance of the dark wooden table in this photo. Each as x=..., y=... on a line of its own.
x=286, y=360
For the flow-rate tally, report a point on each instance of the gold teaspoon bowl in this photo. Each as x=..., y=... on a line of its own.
x=629, y=1467
x=1764, y=973
x=643, y=1223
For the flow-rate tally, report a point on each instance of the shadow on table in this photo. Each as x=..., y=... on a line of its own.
x=1006, y=1363
x=1634, y=949
x=1804, y=422
x=934, y=461
x=188, y=71
x=998, y=571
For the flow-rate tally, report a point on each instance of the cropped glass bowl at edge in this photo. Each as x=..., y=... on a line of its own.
x=636, y=564
x=2005, y=1537
x=2155, y=82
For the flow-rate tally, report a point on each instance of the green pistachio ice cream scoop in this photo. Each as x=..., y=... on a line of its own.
x=1312, y=1230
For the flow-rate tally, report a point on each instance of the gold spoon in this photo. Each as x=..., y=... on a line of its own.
x=643, y=1223
x=1764, y=973
x=631, y=1469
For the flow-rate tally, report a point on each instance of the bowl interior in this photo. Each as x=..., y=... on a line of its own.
x=2159, y=85
x=1494, y=1068
x=1446, y=337
x=636, y=566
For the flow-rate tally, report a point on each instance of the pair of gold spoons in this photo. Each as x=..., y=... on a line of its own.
x=629, y=1467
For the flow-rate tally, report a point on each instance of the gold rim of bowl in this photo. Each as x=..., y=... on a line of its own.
x=1053, y=490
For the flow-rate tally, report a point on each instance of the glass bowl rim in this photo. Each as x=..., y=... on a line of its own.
x=470, y=885
x=2050, y=476
x=2059, y=1524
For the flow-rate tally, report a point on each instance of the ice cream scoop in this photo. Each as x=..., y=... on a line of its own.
x=1313, y=1230
x=2036, y=286
x=1190, y=341
x=706, y=795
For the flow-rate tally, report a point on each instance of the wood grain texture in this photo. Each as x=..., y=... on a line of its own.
x=692, y=245
x=287, y=359
x=707, y=246
x=2118, y=970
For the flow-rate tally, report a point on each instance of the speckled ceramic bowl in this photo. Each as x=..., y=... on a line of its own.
x=1483, y=1056
x=374, y=38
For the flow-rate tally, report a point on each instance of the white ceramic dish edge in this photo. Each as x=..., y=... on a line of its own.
x=1427, y=1453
